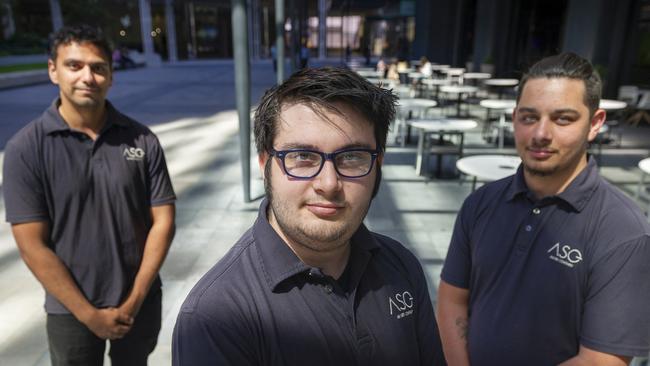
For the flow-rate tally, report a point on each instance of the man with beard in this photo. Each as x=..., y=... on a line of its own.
x=549, y=266
x=92, y=210
x=308, y=284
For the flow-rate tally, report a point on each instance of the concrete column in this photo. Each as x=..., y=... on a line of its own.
x=8, y=24
x=322, y=28
x=170, y=20
x=243, y=89
x=581, y=27
x=279, y=38
x=57, y=17
x=145, y=30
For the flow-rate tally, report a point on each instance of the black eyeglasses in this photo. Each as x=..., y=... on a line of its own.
x=306, y=164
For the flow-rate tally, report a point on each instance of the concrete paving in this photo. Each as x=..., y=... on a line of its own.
x=190, y=106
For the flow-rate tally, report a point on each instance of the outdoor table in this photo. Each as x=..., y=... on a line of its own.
x=502, y=105
x=441, y=127
x=476, y=76
x=409, y=108
x=644, y=165
x=454, y=72
x=488, y=167
x=501, y=84
x=435, y=84
x=459, y=90
x=370, y=73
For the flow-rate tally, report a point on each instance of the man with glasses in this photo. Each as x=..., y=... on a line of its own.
x=308, y=284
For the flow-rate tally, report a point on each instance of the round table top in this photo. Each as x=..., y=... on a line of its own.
x=458, y=89
x=612, y=105
x=416, y=103
x=501, y=82
x=439, y=67
x=443, y=124
x=489, y=167
x=370, y=73
x=645, y=165
x=435, y=81
x=415, y=75
x=505, y=104
x=453, y=71
x=477, y=75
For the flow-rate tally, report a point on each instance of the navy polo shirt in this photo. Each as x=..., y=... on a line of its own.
x=96, y=196
x=546, y=276
x=260, y=305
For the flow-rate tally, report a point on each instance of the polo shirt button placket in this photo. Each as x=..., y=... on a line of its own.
x=328, y=289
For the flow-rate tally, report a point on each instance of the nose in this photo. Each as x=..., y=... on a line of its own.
x=543, y=131
x=87, y=75
x=327, y=182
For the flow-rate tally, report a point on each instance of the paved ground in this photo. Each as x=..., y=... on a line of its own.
x=191, y=108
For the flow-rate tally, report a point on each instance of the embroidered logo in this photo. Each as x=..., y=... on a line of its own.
x=133, y=153
x=401, y=304
x=565, y=255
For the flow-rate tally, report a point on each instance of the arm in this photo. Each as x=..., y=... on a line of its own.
x=155, y=250
x=453, y=321
x=589, y=357
x=50, y=271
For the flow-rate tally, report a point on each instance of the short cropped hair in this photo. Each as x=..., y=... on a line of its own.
x=80, y=34
x=571, y=66
x=323, y=88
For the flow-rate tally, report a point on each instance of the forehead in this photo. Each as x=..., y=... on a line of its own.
x=300, y=123
x=80, y=50
x=553, y=92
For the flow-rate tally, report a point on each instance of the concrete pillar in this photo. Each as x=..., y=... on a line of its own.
x=145, y=30
x=8, y=24
x=57, y=17
x=323, y=6
x=170, y=20
x=279, y=39
x=583, y=21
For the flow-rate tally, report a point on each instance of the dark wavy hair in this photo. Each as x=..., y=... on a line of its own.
x=321, y=88
x=81, y=33
x=567, y=65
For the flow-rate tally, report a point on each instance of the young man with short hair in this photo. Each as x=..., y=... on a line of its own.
x=549, y=266
x=308, y=284
x=92, y=210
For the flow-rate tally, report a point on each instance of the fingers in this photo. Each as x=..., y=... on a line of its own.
x=124, y=319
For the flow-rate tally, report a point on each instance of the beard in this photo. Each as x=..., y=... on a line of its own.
x=321, y=236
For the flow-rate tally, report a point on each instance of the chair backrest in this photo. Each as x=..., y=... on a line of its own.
x=628, y=94
x=644, y=101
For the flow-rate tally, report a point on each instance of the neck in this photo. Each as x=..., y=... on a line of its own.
x=555, y=183
x=88, y=120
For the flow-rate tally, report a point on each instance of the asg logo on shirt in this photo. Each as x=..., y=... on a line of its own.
x=401, y=304
x=133, y=153
x=565, y=254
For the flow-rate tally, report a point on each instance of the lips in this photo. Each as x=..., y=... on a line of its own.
x=540, y=153
x=325, y=209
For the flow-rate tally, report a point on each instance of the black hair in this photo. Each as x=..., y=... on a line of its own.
x=80, y=34
x=567, y=65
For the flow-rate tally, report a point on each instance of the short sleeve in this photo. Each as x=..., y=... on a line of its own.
x=160, y=185
x=22, y=184
x=458, y=264
x=617, y=306
x=203, y=341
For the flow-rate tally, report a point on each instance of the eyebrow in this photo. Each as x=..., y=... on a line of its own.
x=297, y=145
x=72, y=60
x=556, y=111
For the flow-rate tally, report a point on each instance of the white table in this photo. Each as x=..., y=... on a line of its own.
x=370, y=74
x=440, y=126
x=476, y=76
x=416, y=107
x=644, y=165
x=501, y=84
x=488, y=167
x=459, y=90
x=612, y=105
x=503, y=106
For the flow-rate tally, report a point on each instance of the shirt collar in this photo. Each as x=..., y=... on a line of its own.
x=53, y=122
x=280, y=263
x=577, y=193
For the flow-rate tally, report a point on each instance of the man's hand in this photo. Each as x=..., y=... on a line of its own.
x=108, y=323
